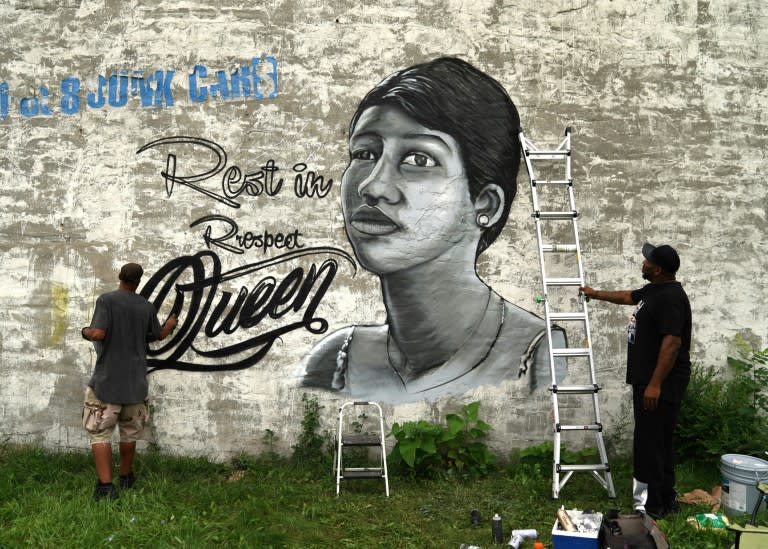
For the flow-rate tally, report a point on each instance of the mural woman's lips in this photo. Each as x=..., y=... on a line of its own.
x=372, y=221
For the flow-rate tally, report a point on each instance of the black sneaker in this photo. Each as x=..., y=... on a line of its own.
x=105, y=491
x=127, y=481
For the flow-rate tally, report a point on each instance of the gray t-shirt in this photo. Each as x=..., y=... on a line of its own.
x=130, y=321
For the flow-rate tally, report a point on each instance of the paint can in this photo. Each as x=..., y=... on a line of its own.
x=497, y=532
x=741, y=475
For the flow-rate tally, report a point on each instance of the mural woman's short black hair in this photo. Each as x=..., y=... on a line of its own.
x=452, y=96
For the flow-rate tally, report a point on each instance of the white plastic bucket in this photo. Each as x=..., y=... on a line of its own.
x=740, y=476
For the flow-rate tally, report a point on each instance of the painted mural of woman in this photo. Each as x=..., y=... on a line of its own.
x=434, y=156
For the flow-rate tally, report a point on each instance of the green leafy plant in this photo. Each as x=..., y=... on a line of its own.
x=269, y=439
x=312, y=446
x=725, y=415
x=751, y=369
x=428, y=449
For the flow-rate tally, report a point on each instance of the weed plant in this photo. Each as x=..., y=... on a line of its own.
x=312, y=447
x=425, y=449
x=726, y=414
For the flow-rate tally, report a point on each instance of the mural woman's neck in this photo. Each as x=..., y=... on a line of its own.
x=475, y=349
x=442, y=311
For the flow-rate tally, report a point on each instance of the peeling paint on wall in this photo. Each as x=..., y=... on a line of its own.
x=666, y=101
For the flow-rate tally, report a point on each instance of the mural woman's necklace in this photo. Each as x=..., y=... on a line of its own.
x=464, y=359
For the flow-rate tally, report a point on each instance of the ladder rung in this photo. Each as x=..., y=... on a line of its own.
x=567, y=316
x=552, y=181
x=590, y=467
x=563, y=282
x=360, y=440
x=575, y=389
x=573, y=214
x=358, y=474
x=571, y=351
x=589, y=427
x=548, y=155
x=559, y=248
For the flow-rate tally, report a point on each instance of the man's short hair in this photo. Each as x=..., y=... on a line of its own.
x=131, y=273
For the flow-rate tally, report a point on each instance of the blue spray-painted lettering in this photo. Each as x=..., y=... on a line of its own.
x=4, y=99
x=245, y=81
x=96, y=101
x=34, y=105
x=222, y=87
x=70, y=100
x=241, y=78
x=272, y=76
x=197, y=94
x=44, y=109
x=118, y=84
x=153, y=96
x=257, y=79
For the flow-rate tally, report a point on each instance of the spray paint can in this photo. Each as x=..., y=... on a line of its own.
x=496, y=529
x=519, y=536
x=468, y=546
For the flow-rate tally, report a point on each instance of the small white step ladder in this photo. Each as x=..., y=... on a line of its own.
x=346, y=439
x=562, y=274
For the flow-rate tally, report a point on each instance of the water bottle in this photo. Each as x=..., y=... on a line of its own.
x=496, y=529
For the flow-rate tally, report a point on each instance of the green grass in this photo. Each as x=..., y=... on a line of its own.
x=45, y=501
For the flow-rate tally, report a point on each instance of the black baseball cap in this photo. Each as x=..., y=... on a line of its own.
x=131, y=272
x=664, y=256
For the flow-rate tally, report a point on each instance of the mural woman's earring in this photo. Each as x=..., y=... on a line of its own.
x=483, y=220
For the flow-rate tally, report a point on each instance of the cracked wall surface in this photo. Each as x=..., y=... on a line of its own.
x=666, y=102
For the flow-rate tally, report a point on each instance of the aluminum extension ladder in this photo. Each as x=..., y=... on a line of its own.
x=562, y=274
x=346, y=439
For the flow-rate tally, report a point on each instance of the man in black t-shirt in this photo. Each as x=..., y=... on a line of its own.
x=122, y=325
x=658, y=368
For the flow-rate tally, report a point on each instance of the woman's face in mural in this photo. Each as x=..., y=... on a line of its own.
x=405, y=194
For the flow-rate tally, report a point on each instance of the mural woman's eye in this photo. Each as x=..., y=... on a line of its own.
x=363, y=154
x=419, y=159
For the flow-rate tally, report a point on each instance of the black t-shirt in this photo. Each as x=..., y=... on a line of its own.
x=662, y=309
x=130, y=321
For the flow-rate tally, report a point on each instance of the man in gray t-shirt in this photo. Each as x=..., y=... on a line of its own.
x=122, y=325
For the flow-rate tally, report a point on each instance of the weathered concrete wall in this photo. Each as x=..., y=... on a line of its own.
x=666, y=101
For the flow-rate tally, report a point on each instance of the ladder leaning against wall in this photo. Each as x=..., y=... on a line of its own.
x=562, y=274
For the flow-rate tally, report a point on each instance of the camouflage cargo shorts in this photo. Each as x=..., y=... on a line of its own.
x=101, y=418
